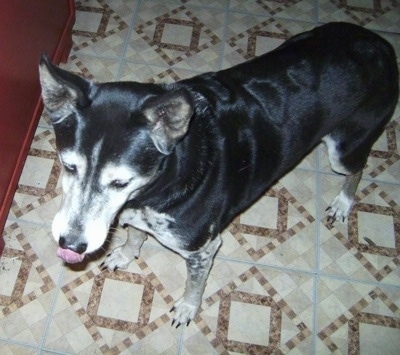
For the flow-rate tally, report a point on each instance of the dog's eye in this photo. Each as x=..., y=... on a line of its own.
x=70, y=168
x=119, y=184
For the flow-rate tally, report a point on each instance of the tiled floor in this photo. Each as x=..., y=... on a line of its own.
x=285, y=281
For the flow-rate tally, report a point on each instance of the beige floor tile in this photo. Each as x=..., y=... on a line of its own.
x=300, y=10
x=101, y=27
x=97, y=69
x=367, y=246
x=152, y=74
x=117, y=311
x=28, y=280
x=38, y=195
x=159, y=25
x=249, y=35
x=357, y=318
x=279, y=229
x=257, y=310
x=375, y=15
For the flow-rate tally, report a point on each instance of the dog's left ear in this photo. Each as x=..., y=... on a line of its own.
x=168, y=118
x=62, y=92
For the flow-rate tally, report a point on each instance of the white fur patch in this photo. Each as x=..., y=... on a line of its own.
x=340, y=207
x=333, y=155
x=71, y=158
x=112, y=172
x=157, y=224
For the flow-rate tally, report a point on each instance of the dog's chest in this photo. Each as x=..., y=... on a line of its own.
x=160, y=225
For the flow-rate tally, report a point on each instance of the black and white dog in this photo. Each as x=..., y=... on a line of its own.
x=180, y=161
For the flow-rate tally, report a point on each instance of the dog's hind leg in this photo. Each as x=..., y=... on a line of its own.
x=198, y=267
x=348, y=148
x=347, y=156
x=121, y=256
x=341, y=205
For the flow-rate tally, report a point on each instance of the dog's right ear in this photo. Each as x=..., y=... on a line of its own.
x=62, y=92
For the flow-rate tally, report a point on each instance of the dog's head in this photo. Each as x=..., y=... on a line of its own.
x=111, y=139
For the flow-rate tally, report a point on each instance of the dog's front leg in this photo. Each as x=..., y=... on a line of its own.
x=121, y=256
x=198, y=267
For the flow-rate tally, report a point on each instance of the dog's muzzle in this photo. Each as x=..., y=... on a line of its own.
x=71, y=253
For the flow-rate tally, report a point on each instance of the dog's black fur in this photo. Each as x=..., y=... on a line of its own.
x=258, y=120
x=212, y=144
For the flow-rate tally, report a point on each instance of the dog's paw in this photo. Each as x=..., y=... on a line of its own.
x=339, y=208
x=116, y=260
x=184, y=312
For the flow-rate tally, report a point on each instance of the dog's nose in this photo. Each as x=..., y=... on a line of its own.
x=79, y=248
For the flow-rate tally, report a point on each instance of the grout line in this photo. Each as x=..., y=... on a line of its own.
x=53, y=352
x=93, y=56
x=21, y=220
x=180, y=350
x=50, y=316
x=358, y=281
x=318, y=197
x=369, y=179
x=269, y=16
x=317, y=7
x=224, y=38
x=309, y=273
x=269, y=266
x=175, y=67
x=11, y=341
x=315, y=312
x=127, y=39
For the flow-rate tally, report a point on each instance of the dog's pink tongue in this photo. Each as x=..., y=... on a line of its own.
x=70, y=256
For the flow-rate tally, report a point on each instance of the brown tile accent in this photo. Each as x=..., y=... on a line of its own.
x=184, y=52
x=107, y=14
x=278, y=5
x=281, y=234
x=278, y=306
x=169, y=73
x=253, y=33
x=365, y=15
x=115, y=324
x=223, y=322
x=29, y=260
x=50, y=191
x=357, y=317
x=92, y=320
x=391, y=156
x=357, y=248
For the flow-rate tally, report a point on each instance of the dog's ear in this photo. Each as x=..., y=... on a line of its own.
x=62, y=92
x=168, y=118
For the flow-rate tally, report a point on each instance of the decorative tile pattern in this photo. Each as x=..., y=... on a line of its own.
x=112, y=321
x=284, y=280
x=181, y=36
x=353, y=316
x=250, y=35
x=27, y=286
x=101, y=27
x=373, y=14
x=152, y=74
x=301, y=10
x=38, y=195
x=278, y=229
x=367, y=246
x=275, y=306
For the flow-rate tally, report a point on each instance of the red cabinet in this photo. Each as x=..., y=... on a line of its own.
x=27, y=29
